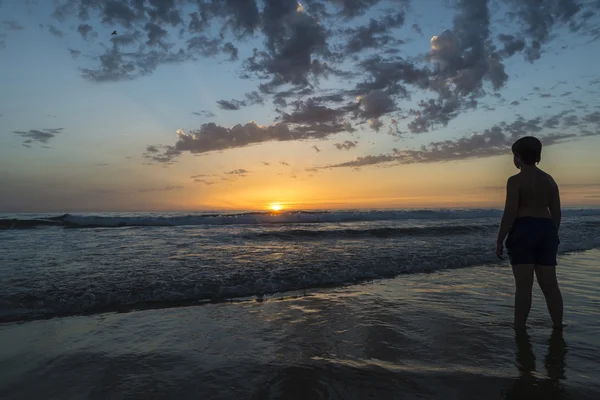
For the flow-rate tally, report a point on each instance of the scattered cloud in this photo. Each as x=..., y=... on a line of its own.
x=232, y=105
x=161, y=154
x=238, y=172
x=284, y=163
x=41, y=136
x=55, y=31
x=315, y=148
x=205, y=114
x=161, y=189
x=347, y=145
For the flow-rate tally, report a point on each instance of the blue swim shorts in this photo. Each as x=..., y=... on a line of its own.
x=532, y=240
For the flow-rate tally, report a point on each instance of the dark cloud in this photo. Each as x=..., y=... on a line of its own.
x=316, y=148
x=353, y=8
x=375, y=104
x=434, y=113
x=41, y=136
x=376, y=35
x=204, y=113
x=118, y=12
x=117, y=65
x=162, y=154
x=514, y=103
x=376, y=124
x=232, y=105
x=55, y=31
x=311, y=113
x=238, y=172
x=85, y=30
x=511, y=44
x=231, y=50
x=347, y=145
x=212, y=137
x=293, y=39
x=74, y=53
x=417, y=29
x=266, y=163
x=205, y=46
x=491, y=142
x=284, y=163
x=156, y=35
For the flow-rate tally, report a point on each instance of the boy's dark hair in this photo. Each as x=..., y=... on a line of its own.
x=529, y=150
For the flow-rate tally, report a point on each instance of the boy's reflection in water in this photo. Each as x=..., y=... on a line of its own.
x=527, y=386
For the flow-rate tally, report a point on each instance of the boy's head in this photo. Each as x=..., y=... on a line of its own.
x=527, y=150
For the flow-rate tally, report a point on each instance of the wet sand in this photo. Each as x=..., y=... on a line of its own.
x=442, y=335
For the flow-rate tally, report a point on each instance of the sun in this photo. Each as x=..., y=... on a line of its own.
x=275, y=206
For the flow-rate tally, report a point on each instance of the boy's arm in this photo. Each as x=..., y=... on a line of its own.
x=511, y=207
x=554, y=204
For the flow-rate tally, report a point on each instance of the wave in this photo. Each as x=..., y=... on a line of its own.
x=258, y=218
x=293, y=234
x=91, y=297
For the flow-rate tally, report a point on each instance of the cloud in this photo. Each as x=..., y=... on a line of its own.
x=212, y=137
x=204, y=113
x=347, y=145
x=375, y=104
x=496, y=140
x=238, y=172
x=161, y=154
x=85, y=30
x=315, y=148
x=205, y=182
x=41, y=136
x=161, y=189
x=434, y=113
x=11, y=25
x=293, y=39
x=512, y=44
x=266, y=163
x=310, y=113
x=284, y=163
x=232, y=105
x=74, y=53
x=55, y=31
x=375, y=124
x=375, y=35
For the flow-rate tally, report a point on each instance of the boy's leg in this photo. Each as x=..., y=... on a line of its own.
x=523, y=283
x=546, y=277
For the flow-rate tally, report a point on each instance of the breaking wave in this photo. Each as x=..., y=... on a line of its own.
x=257, y=218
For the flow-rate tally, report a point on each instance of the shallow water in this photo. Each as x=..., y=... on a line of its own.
x=442, y=335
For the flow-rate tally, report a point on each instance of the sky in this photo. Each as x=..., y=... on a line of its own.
x=184, y=105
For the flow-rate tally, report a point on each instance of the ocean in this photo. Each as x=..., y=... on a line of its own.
x=290, y=305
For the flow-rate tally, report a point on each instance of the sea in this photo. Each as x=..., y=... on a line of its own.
x=352, y=304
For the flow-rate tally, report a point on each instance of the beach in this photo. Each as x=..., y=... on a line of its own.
x=445, y=334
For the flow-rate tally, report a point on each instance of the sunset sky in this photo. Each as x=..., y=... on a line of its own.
x=238, y=104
